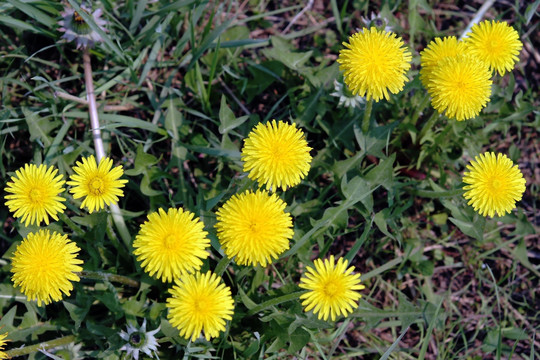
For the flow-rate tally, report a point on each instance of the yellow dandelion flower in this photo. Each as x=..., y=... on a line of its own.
x=494, y=184
x=44, y=265
x=99, y=185
x=3, y=342
x=438, y=50
x=374, y=63
x=254, y=227
x=333, y=289
x=34, y=194
x=200, y=303
x=276, y=154
x=495, y=43
x=171, y=243
x=460, y=86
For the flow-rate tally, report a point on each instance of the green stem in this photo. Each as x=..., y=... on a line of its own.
x=114, y=240
x=98, y=142
x=424, y=104
x=278, y=273
x=71, y=224
x=367, y=116
x=434, y=194
x=100, y=275
x=44, y=345
x=429, y=124
x=275, y=301
x=222, y=265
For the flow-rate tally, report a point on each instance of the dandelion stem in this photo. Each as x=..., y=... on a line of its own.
x=44, y=345
x=367, y=116
x=429, y=124
x=476, y=19
x=434, y=194
x=98, y=143
x=71, y=224
x=421, y=107
x=100, y=275
x=92, y=106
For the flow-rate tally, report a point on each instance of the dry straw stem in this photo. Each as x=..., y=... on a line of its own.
x=98, y=142
x=476, y=19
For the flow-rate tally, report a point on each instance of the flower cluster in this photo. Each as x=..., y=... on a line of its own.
x=34, y=191
x=253, y=227
x=457, y=74
x=45, y=263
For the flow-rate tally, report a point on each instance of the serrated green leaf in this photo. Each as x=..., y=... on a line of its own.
x=355, y=190
x=7, y=318
x=282, y=53
x=39, y=127
x=227, y=118
x=382, y=174
x=77, y=313
x=375, y=140
x=298, y=340
x=472, y=229
x=380, y=221
x=337, y=217
x=142, y=162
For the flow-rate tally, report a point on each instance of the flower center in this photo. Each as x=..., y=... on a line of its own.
x=35, y=195
x=493, y=46
x=170, y=241
x=96, y=186
x=496, y=185
x=330, y=289
x=278, y=153
x=253, y=227
x=78, y=25
x=200, y=304
x=135, y=339
x=77, y=17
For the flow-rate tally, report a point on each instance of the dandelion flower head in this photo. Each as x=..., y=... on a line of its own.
x=495, y=43
x=75, y=28
x=494, y=184
x=3, y=342
x=436, y=51
x=346, y=98
x=139, y=340
x=254, y=228
x=276, y=154
x=34, y=194
x=200, y=303
x=460, y=87
x=374, y=62
x=44, y=265
x=378, y=21
x=332, y=288
x=98, y=184
x=171, y=243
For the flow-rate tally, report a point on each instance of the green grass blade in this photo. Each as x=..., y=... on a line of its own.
x=429, y=331
x=394, y=345
x=33, y=12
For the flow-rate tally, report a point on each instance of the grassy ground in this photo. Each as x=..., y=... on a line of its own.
x=180, y=84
